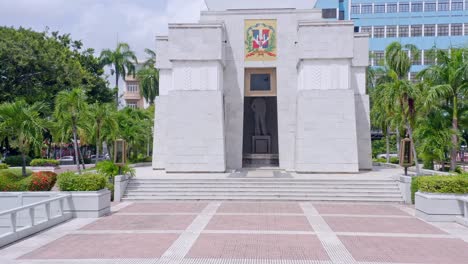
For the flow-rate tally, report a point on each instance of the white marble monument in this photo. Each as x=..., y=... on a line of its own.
x=310, y=73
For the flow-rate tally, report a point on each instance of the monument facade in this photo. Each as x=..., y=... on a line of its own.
x=277, y=87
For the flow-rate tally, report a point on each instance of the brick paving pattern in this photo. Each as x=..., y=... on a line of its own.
x=248, y=233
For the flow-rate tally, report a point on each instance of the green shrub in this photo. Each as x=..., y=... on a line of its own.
x=109, y=169
x=12, y=182
x=394, y=160
x=4, y=166
x=69, y=181
x=456, y=184
x=44, y=162
x=42, y=181
x=17, y=161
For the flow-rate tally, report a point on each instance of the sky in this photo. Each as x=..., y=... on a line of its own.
x=101, y=23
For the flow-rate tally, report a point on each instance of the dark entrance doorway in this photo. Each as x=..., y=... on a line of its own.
x=260, y=144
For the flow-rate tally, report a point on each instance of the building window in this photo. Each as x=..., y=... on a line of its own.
x=392, y=8
x=416, y=7
x=429, y=30
x=413, y=77
x=341, y=15
x=367, y=30
x=416, y=30
x=416, y=58
x=132, y=104
x=457, y=5
x=429, y=57
x=329, y=13
x=456, y=29
x=132, y=87
x=444, y=5
x=379, y=32
x=403, y=31
x=391, y=31
x=403, y=7
x=430, y=6
x=442, y=30
x=379, y=8
x=466, y=29
x=379, y=58
x=355, y=9
x=366, y=9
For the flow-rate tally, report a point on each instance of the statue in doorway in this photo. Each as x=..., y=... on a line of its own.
x=259, y=108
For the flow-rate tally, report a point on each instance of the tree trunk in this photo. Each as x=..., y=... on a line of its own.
x=398, y=140
x=453, y=152
x=387, y=142
x=23, y=169
x=82, y=158
x=117, y=76
x=413, y=147
x=97, y=145
x=75, y=145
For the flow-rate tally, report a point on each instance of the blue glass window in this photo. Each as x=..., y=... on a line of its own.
x=355, y=9
x=392, y=8
x=379, y=8
x=403, y=7
x=457, y=5
x=366, y=9
x=416, y=7
x=444, y=5
x=430, y=7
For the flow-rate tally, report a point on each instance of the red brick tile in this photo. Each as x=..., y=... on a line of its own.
x=165, y=207
x=380, y=225
x=359, y=209
x=105, y=246
x=142, y=222
x=260, y=207
x=259, y=222
x=407, y=250
x=242, y=246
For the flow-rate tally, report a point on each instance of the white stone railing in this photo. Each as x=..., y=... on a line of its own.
x=25, y=220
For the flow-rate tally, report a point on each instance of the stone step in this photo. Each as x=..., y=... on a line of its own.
x=268, y=198
x=241, y=193
x=259, y=189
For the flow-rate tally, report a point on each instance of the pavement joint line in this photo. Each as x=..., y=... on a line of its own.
x=120, y=206
x=157, y=214
x=394, y=235
x=97, y=232
x=89, y=261
x=368, y=216
x=335, y=249
x=258, y=232
x=406, y=209
x=251, y=261
x=177, y=251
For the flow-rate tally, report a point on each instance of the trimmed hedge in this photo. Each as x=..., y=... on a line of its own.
x=44, y=163
x=455, y=184
x=17, y=161
x=69, y=181
x=4, y=166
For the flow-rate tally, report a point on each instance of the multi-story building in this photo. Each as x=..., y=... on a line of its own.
x=427, y=24
x=131, y=94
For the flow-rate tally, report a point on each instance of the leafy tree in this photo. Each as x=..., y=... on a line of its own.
x=122, y=60
x=23, y=125
x=105, y=124
x=448, y=79
x=400, y=92
x=71, y=106
x=35, y=66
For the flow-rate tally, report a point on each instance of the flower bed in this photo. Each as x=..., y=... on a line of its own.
x=11, y=180
x=44, y=163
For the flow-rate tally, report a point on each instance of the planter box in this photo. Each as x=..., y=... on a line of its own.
x=436, y=207
x=45, y=168
x=89, y=204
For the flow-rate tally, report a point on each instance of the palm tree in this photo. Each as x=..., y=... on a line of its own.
x=151, y=60
x=104, y=123
x=23, y=125
x=123, y=61
x=149, y=83
x=400, y=90
x=448, y=79
x=71, y=106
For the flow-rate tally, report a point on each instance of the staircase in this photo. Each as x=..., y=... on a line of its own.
x=353, y=190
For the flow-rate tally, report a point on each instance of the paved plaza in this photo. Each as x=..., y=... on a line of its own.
x=247, y=232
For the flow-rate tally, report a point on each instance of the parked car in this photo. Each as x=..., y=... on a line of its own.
x=67, y=160
x=101, y=157
x=384, y=156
